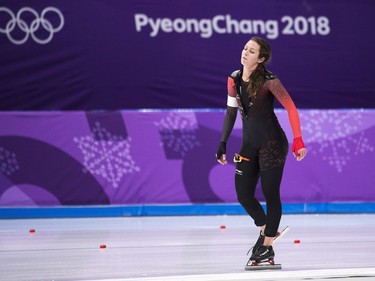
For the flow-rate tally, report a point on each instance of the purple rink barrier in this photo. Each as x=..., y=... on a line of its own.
x=129, y=54
x=166, y=158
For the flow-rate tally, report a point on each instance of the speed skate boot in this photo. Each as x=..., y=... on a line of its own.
x=260, y=241
x=262, y=259
x=263, y=254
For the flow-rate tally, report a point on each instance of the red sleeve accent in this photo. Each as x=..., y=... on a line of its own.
x=278, y=90
x=231, y=87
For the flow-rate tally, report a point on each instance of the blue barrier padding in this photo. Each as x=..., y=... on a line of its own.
x=176, y=210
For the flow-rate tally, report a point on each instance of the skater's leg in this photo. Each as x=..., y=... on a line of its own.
x=271, y=180
x=246, y=178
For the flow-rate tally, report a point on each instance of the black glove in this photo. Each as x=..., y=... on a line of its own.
x=221, y=150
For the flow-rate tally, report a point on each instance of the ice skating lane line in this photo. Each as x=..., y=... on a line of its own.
x=265, y=275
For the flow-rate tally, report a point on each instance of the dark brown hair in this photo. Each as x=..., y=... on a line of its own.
x=257, y=76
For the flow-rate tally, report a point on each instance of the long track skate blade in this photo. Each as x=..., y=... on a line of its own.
x=263, y=267
x=282, y=233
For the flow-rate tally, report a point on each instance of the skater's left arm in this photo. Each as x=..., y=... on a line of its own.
x=282, y=95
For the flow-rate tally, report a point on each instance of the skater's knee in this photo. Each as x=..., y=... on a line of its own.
x=245, y=194
x=246, y=201
x=242, y=200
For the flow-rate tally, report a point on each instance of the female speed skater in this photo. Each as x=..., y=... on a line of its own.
x=252, y=91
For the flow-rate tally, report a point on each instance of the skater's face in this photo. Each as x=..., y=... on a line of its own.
x=250, y=55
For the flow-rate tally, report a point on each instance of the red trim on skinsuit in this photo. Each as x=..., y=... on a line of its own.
x=231, y=87
x=281, y=94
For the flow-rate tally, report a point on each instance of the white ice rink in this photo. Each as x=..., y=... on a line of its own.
x=332, y=247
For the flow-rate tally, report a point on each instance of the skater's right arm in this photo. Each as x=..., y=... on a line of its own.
x=229, y=120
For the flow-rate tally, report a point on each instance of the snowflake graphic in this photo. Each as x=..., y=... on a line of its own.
x=8, y=162
x=106, y=155
x=178, y=132
x=337, y=134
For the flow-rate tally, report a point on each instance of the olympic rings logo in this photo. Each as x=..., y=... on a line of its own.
x=38, y=22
